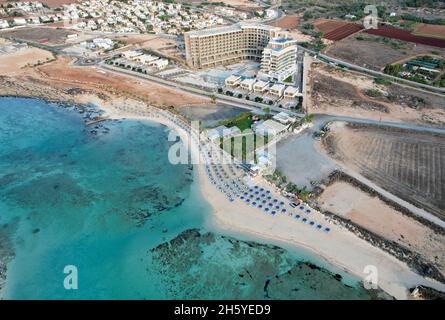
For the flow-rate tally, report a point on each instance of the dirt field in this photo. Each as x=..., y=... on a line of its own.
x=430, y=30
x=328, y=25
x=63, y=71
x=374, y=215
x=51, y=36
x=288, y=22
x=407, y=164
x=406, y=35
x=137, y=39
x=336, y=30
x=14, y=63
x=340, y=92
x=376, y=52
x=332, y=91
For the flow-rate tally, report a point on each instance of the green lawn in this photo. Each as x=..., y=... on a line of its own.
x=243, y=121
x=259, y=141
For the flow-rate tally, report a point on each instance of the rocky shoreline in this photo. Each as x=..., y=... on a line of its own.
x=270, y=272
x=6, y=252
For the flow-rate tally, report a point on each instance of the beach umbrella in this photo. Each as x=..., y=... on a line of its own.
x=277, y=207
x=267, y=191
x=327, y=229
x=304, y=220
x=262, y=189
x=248, y=200
x=264, y=201
x=281, y=203
x=254, y=203
x=319, y=226
x=312, y=223
x=267, y=209
x=297, y=216
x=283, y=210
x=258, y=199
x=273, y=212
x=275, y=200
x=271, y=204
x=256, y=187
x=301, y=208
x=269, y=197
x=308, y=211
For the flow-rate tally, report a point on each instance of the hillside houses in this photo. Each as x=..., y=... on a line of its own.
x=140, y=16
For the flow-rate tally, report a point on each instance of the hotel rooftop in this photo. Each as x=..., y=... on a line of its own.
x=227, y=29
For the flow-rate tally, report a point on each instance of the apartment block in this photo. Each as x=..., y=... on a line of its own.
x=228, y=44
x=279, y=60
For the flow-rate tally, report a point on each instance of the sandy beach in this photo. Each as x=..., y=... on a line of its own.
x=339, y=247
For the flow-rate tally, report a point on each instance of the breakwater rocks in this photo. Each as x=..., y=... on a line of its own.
x=204, y=265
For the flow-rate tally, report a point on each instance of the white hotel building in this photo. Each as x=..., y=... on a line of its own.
x=279, y=58
x=227, y=44
x=243, y=41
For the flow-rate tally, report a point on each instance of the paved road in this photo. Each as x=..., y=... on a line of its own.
x=320, y=121
x=416, y=210
x=221, y=99
x=323, y=119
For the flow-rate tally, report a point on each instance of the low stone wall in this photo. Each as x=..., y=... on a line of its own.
x=412, y=259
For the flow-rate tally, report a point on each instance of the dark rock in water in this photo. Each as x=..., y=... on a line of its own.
x=179, y=203
x=195, y=264
x=313, y=266
x=165, y=230
x=338, y=277
x=36, y=230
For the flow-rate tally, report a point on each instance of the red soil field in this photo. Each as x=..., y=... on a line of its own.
x=405, y=35
x=336, y=30
x=430, y=30
x=343, y=32
x=326, y=25
x=288, y=22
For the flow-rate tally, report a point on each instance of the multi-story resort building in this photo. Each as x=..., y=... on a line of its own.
x=279, y=58
x=242, y=41
x=228, y=44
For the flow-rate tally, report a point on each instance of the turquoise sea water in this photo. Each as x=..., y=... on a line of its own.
x=105, y=199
